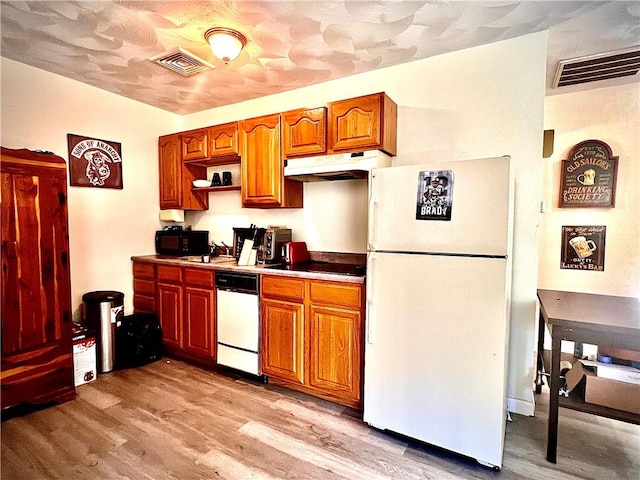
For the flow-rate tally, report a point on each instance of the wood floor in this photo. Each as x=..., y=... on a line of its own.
x=170, y=420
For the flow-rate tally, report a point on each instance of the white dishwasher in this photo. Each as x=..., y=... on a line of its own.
x=238, y=321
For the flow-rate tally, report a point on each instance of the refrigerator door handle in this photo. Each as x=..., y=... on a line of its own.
x=373, y=200
x=370, y=313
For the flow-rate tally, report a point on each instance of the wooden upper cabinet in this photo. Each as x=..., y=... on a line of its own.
x=195, y=144
x=263, y=182
x=304, y=132
x=223, y=143
x=363, y=123
x=175, y=179
x=170, y=171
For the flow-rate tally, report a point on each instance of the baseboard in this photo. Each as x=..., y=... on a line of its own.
x=521, y=407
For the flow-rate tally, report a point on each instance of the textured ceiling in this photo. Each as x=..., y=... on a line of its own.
x=291, y=44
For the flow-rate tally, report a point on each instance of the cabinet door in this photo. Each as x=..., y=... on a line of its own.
x=223, y=140
x=170, y=314
x=367, y=122
x=262, y=170
x=334, y=351
x=176, y=177
x=170, y=172
x=37, y=364
x=283, y=340
x=304, y=132
x=195, y=144
x=199, y=321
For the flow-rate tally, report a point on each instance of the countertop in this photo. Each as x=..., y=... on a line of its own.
x=230, y=264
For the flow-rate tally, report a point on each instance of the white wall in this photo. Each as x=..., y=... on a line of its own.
x=611, y=115
x=481, y=102
x=106, y=226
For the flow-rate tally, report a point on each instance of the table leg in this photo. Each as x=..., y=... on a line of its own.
x=540, y=361
x=554, y=391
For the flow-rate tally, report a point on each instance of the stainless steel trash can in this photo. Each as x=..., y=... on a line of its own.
x=103, y=312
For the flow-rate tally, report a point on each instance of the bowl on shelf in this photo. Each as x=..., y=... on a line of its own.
x=201, y=183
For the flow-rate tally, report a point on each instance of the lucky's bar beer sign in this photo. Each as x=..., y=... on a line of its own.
x=94, y=162
x=583, y=247
x=589, y=176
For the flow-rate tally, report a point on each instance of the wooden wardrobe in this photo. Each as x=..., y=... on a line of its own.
x=37, y=359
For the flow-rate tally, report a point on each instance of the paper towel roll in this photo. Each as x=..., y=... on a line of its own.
x=172, y=215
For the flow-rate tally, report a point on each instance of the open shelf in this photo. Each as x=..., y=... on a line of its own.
x=214, y=161
x=222, y=188
x=574, y=402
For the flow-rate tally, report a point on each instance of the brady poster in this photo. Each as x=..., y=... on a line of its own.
x=94, y=162
x=435, y=195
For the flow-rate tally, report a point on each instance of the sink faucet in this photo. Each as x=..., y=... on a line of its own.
x=227, y=249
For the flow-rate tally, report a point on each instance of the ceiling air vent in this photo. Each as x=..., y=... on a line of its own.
x=594, y=68
x=180, y=61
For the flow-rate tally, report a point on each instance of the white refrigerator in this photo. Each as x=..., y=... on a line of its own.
x=438, y=304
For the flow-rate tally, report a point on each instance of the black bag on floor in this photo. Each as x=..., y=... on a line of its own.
x=138, y=340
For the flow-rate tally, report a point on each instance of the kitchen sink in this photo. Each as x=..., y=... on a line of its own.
x=198, y=259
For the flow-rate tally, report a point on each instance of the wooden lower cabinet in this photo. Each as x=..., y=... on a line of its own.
x=312, y=337
x=186, y=310
x=283, y=340
x=199, y=314
x=170, y=306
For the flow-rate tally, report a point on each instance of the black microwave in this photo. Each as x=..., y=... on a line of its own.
x=182, y=242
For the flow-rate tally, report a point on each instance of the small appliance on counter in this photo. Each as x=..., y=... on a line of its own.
x=274, y=238
x=179, y=242
x=240, y=234
x=294, y=252
x=268, y=242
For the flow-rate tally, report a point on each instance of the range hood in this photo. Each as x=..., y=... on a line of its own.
x=340, y=166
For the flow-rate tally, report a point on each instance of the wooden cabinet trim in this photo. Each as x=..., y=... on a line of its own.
x=342, y=294
x=199, y=277
x=169, y=274
x=282, y=287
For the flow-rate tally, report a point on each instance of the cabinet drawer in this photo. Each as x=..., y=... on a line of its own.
x=144, y=303
x=281, y=287
x=198, y=277
x=336, y=294
x=144, y=270
x=144, y=287
x=168, y=274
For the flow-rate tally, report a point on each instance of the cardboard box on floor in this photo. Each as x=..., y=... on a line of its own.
x=604, y=391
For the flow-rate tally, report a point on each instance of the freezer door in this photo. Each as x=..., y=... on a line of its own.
x=436, y=350
x=481, y=209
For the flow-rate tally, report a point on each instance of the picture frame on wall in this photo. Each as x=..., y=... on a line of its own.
x=94, y=162
x=589, y=176
x=583, y=247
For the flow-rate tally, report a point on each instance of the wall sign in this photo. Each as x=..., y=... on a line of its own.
x=589, y=176
x=94, y=162
x=435, y=195
x=583, y=248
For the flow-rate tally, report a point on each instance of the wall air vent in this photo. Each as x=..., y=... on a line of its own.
x=594, y=68
x=182, y=62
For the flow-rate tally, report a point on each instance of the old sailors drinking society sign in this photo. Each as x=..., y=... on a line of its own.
x=589, y=176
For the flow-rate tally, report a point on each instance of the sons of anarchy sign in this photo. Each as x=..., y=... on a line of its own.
x=589, y=176
x=94, y=162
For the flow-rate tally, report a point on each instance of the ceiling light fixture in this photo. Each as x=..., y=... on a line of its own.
x=226, y=44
